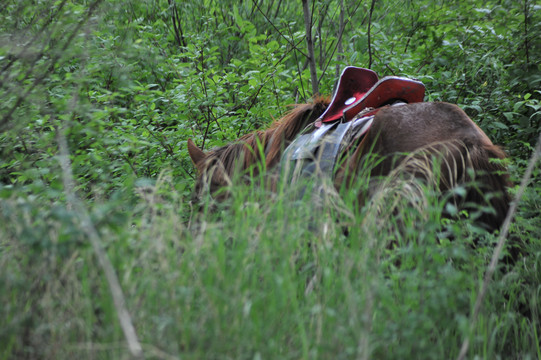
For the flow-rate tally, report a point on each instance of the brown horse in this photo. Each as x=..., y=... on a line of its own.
x=217, y=167
x=412, y=139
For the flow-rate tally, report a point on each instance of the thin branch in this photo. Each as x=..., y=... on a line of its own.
x=177, y=26
x=368, y=34
x=88, y=227
x=339, y=46
x=330, y=57
x=323, y=12
x=526, y=45
x=501, y=241
x=4, y=121
x=22, y=53
x=310, y=46
x=277, y=8
x=269, y=76
x=290, y=42
x=298, y=71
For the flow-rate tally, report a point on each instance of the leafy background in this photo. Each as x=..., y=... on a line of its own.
x=126, y=83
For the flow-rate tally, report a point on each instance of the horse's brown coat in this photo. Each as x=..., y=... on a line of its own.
x=432, y=129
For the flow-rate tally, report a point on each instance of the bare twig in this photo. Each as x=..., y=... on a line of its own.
x=368, y=34
x=333, y=49
x=95, y=240
x=298, y=71
x=22, y=53
x=269, y=76
x=177, y=26
x=310, y=46
x=501, y=241
x=526, y=45
x=323, y=11
x=339, y=46
x=55, y=60
x=78, y=207
x=290, y=42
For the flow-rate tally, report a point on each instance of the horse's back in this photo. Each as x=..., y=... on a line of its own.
x=409, y=127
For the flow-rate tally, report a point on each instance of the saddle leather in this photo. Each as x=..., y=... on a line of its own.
x=358, y=97
x=352, y=86
x=359, y=89
x=387, y=90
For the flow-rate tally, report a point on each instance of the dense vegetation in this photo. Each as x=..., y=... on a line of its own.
x=97, y=101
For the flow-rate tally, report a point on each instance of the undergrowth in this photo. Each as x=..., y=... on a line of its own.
x=264, y=278
x=264, y=275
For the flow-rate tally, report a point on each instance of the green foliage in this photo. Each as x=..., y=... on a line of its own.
x=128, y=83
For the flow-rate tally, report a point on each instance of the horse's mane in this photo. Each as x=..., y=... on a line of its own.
x=272, y=140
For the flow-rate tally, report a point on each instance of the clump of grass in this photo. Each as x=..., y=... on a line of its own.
x=264, y=278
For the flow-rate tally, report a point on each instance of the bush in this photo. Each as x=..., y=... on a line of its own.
x=127, y=84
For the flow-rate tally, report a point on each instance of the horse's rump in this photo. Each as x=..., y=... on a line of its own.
x=434, y=142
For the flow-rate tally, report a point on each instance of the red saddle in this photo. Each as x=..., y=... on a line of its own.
x=359, y=89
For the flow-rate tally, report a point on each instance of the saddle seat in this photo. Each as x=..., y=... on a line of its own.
x=359, y=89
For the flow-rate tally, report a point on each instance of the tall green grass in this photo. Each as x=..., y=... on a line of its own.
x=262, y=277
